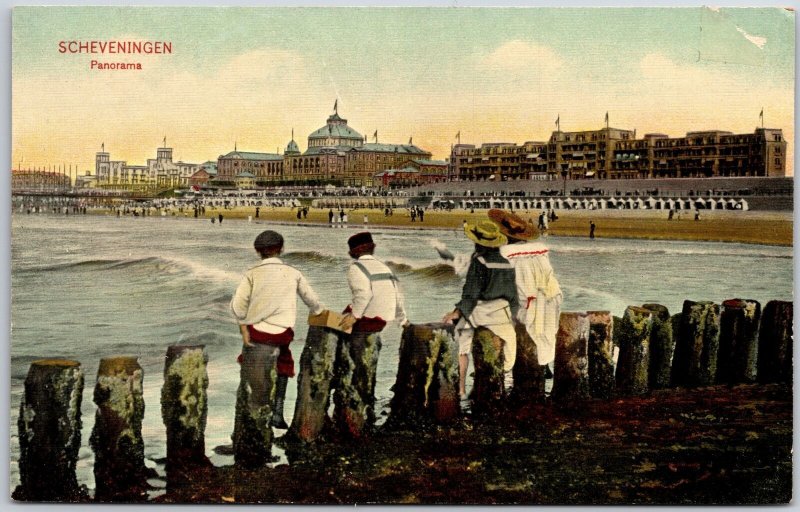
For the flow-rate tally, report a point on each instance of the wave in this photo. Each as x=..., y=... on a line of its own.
x=643, y=249
x=438, y=271
x=311, y=257
x=98, y=264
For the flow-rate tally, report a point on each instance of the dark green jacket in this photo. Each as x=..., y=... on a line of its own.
x=493, y=280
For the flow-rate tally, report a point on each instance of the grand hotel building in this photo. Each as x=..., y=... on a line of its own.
x=612, y=153
x=336, y=154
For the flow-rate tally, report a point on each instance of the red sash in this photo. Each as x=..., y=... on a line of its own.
x=365, y=323
x=285, y=362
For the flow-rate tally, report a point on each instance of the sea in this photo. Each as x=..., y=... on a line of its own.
x=86, y=287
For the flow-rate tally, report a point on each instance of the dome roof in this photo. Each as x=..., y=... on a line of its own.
x=337, y=128
x=292, y=147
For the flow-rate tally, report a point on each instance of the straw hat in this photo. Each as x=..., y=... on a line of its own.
x=485, y=233
x=512, y=225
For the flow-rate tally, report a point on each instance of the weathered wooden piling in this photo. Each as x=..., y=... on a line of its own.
x=119, y=470
x=488, y=384
x=49, y=428
x=738, y=341
x=697, y=345
x=184, y=408
x=355, y=372
x=571, y=373
x=252, y=426
x=601, y=354
x=426, y=389
x=775, y=342
x=662, y=347
x=529, y=379
x=314, y=385
x=634, y=351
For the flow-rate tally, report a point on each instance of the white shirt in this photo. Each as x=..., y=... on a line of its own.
x=376, y=296
x=266, y=298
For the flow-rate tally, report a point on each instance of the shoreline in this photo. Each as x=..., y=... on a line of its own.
x=773, y=228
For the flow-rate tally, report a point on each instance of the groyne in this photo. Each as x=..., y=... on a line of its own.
x=732, y=342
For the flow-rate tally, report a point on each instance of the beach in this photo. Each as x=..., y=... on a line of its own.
x=751, y=227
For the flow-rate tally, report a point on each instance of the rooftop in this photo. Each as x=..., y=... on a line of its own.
x=247, y=155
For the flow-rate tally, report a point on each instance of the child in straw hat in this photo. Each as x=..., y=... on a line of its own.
x=488, y=299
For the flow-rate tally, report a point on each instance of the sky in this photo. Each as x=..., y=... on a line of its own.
x=247, y=77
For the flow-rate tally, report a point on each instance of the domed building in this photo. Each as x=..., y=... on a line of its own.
x=339, y=155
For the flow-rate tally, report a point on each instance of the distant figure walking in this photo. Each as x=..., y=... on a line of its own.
x=220, y=218
x=257, y=211
x=671, y=213
x=421, y=215
x=330, y=216
x=366, y=219
x=697, y=215
x=591, y=229
x=541, y=225
x=344, y=218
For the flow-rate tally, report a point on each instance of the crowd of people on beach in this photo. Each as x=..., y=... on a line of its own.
x=510, y=282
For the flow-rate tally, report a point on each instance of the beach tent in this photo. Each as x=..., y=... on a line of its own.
x=744, y=206
x=700, y=203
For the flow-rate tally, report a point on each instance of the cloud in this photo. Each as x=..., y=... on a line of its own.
x=516, y=54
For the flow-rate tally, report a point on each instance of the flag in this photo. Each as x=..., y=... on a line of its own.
x=761, y=115
x=409, y=141
x=103, y=147
x=376, y=135
x=558, y=120
x=336, y=105
x=458, y=135
x=606, y=116
x=165, y=141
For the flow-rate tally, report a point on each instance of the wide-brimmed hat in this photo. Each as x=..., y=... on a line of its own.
x=485, y=233
x=512, y=225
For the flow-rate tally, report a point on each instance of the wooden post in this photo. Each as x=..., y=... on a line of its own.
x=314, y=385
x=50, y=432
x=775, y=342
x=528, y=374
x=252, y=426
x=697, y=345
x=601, y=354
x=571, y=373
x=426, y=390
x=738, y=341
x=662, y=347
x=355, y=372
x=634, y=351
x=119, y=470
x=487, y=355
x=184, y=407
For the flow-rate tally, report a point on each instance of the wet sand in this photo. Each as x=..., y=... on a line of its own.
x=754, y=227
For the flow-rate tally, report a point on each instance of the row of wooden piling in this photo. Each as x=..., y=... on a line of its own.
x=707, y=343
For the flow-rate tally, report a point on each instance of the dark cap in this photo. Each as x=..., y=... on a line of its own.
x=359, y=239
x=268, y=239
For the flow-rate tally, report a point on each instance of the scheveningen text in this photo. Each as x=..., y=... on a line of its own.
x=144, y=47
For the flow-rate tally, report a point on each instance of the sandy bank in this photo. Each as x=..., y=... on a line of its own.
x=754, y=227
